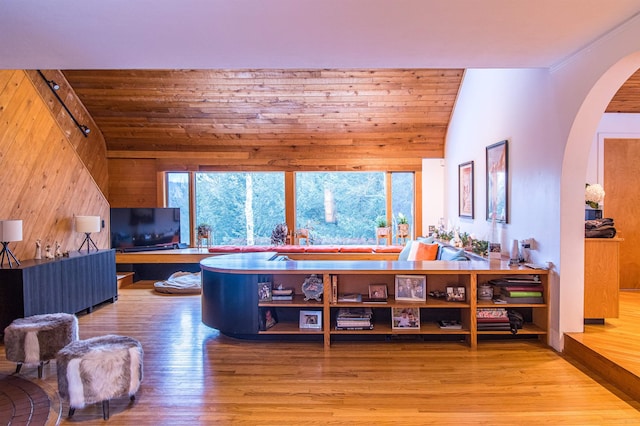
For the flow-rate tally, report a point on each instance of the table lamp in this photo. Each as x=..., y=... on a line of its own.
x=88, y=224
x=10, y=230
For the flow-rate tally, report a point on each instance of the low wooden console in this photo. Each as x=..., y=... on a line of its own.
x=230, y=297
x=69, y=284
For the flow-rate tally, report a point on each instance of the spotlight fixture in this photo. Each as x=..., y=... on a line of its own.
x=54, y=89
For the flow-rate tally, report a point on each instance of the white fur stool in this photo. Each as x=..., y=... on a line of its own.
x=36, y=339
x=99, y=369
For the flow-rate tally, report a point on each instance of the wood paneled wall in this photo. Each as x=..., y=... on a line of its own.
x=92, y=149
x=43, y=178
x=133, y=183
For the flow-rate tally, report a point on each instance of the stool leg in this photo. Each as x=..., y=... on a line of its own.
x=105, y=409
x=40, y=370
x=18, y=367
x=71, y=411
x=132, y=398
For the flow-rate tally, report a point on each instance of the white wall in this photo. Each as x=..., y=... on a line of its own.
x=433, y=187
x=495, y=105
x=620, y=126
x=511, y=104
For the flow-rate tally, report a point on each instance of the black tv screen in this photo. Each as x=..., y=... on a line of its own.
x=136, y=228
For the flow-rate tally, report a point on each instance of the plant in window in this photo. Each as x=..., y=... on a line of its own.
x=381, y=222
x=402, y=219
x=279, y=234
x=204, y=229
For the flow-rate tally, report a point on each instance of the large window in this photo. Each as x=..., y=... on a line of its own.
x=178, y=196
x=241, y=208
x=337, y=207
x=340, y=207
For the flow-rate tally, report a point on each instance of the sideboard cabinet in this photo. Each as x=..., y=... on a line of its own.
x=69, y=284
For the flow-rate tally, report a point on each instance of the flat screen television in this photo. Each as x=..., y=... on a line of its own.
x=145, y=228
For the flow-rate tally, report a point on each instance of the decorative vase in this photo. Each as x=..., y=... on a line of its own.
x=591, y=214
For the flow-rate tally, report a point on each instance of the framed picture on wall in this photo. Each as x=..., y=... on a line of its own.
x=498, y=182
x=465, y=189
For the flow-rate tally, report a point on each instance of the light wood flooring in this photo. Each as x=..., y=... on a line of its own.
x=195, y=376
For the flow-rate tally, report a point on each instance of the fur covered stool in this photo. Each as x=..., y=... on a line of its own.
x=99, y=369
x=38, y=338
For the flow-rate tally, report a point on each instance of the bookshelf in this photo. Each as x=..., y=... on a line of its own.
x=230, y=297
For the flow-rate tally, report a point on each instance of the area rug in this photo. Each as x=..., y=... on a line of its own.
x=22, y=402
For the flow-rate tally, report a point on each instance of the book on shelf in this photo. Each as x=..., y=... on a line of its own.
x=374, y=300
x=491, y=313
x=494, y=327
x=521, y=293
x=334, y=288
x=354, y=328
x=355, y=313
x=450, y=324
x=282, y=292
x=277, y=298
x=522, y=288
x=492, y=320
x=349, y=297
x=536, y=300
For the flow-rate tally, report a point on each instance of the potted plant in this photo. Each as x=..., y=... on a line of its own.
x=382, y=230
x=204, y=230
x=403, y=226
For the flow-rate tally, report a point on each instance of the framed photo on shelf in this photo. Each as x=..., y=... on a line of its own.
x=498, y=182
x=311, y=320
x=465, y=190
x=378, y=291
x=268, y=318
x=455, y=294
x=412, y=288
x=405, y=318
x=264, y=292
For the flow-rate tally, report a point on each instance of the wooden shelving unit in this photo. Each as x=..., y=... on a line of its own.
x=355, y=277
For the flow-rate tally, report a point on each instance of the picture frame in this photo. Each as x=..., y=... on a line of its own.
x=411, y=288
x=497, y=156
x=405, y=318
x=268, y=318
x=311, y=320
x=455, y=294
x=378, y=291
x=465, y=190
x=265, y=292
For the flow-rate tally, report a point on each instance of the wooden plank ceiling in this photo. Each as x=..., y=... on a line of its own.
x=627, y=99
x=278, y=119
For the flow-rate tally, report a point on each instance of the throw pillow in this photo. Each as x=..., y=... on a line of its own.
x=421, y=251
x=453, y=255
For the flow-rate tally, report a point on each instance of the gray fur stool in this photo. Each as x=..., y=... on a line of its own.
x=99, y=369
x=37, y=339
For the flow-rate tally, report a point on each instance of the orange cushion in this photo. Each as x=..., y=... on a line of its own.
x=322, y=249
x=421, y=251
x=356, y=249
x=290, y=249
x=224, y=249
x=388, y=249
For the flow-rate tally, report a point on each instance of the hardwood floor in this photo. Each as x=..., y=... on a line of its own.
x=193, y=375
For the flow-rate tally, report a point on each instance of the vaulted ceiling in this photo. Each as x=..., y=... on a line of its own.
x=246, y=80
x=347, y=114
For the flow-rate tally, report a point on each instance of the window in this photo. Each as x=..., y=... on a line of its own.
x=178, y=196
x=241, y=208
x=342, y=207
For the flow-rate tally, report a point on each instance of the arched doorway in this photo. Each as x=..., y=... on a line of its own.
x=574, y=167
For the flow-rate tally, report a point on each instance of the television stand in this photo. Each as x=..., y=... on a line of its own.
x=151, y=248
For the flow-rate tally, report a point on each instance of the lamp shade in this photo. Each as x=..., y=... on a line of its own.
x=88, y=223
x=10, y=230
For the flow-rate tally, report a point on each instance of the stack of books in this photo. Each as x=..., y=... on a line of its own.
x=282, y=294
x=518, y=289
x=354, y=319
x=492, y=319
x=350, y=297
